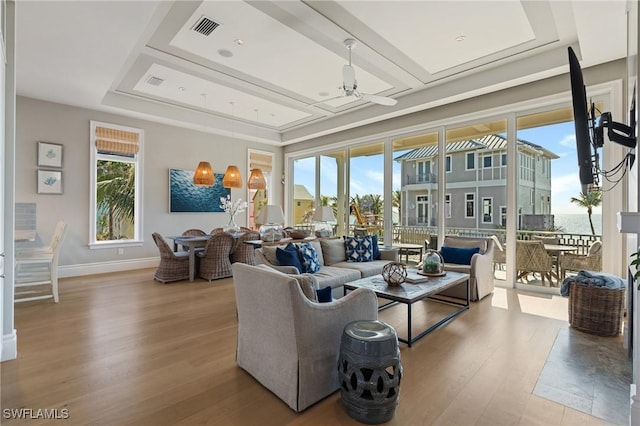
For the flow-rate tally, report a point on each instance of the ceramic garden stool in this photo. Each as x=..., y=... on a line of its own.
x=369, y=371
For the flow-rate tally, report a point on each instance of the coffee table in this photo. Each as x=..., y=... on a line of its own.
x=410, y=293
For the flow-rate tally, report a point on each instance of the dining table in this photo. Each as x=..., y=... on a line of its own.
x=192, y=243
x=555, y=251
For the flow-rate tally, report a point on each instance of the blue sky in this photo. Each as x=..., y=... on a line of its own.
x=367, y=172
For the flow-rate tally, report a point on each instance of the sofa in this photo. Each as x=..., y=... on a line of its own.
x=335, y=269
x=479, y=266
x=287, y=342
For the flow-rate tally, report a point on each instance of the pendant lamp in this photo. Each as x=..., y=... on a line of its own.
x=203, y=175
x=256, y=180
x=232, y=178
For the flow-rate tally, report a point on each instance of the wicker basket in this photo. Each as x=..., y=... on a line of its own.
x=596, y=310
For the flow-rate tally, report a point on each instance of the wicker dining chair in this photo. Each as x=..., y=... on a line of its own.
x=245, y=253
x=531, y=257
x=174, y=266
x=192, y=232
x=499, y=254
x=215, y=259
x=216, y=230
x=576, y=262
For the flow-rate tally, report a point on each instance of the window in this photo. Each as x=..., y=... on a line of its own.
x=422, y=203
x=487, y=161
x=487, y=210
x=503, y=160
x=447, y=206
x=471, y=160
x=424, y=171
x=447, y=164
x=470, y=205
x=503, y=215
x=116, y=187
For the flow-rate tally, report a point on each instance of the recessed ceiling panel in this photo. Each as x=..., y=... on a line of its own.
x=284, y=58
x=185, y=89
x=440, y=35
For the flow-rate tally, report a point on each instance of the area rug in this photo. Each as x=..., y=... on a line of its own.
x=589, y=373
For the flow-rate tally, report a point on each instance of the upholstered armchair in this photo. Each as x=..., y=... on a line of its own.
x=287, y=342
x=480, y=266
x=174, y=266
x=215, y=259
x=576, y=262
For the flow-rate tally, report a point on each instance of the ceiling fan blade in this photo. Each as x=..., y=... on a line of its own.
x=348, y=77
x=377, y=99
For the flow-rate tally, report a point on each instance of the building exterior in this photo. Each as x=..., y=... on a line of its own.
x=475, y=194
x=303, y=203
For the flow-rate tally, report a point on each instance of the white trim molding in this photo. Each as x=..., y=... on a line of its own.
x=9, y=346
x=67, y=271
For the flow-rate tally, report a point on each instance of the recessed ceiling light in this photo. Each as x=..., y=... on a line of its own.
x=239, y=41
x=225, y=53
x=182, y=89
x=461, y=38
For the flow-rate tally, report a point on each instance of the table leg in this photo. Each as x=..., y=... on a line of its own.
x=409, y=324
x=192, y=263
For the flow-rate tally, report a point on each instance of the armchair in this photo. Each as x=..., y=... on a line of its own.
x=287, y=342
x=215, y=259
x=480, y=269
x=576, y=262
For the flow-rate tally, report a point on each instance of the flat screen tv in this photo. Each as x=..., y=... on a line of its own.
x=584, y=145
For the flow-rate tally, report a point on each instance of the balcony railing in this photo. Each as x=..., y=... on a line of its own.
x=421, y=178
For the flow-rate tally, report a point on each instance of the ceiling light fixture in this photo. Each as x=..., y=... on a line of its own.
x=232, y=178
x=461, y=38
x=204, y=175
x=239, y=41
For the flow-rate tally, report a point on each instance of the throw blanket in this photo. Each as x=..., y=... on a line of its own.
x=597, y=279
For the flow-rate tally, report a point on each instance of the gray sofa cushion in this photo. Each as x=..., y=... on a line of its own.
x=335, y=277
x=333, y=250
x=366, y=269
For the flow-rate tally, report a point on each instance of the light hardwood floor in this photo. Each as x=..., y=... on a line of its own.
x=121, y=349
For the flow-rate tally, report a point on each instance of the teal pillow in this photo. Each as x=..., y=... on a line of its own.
x=359, y=249
x=324, y=295
x=289, y=256
x=308, y=258
x=459, y=256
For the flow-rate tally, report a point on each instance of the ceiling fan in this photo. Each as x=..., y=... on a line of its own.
x=350, y=85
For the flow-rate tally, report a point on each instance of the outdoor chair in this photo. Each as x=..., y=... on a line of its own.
x=499, y=254
x=38, y=267
x=532, y=258
x=592, y=261
x=215, y=259
x=174, y=266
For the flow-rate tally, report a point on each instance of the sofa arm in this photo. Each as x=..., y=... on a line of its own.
x=389, y=253
x=262, y=260
x=482, y=271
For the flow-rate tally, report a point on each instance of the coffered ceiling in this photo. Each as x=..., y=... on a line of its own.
x=273, y=70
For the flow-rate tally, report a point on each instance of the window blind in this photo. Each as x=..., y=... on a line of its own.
x=119, y=142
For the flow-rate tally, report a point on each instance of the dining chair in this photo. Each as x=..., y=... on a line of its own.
x=192, y=232
x=499, y=254
x=245, y=253
x=174, y=266
x=215, y=259
x=38, y=267
x=532, y=258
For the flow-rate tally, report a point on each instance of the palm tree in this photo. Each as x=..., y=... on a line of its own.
x=396, y=201
x=589, y=201
x=115, y=196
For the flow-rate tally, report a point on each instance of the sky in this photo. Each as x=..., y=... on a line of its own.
x=367, y=174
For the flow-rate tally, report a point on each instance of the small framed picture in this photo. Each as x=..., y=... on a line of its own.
x=49, y=182
x=49, y=154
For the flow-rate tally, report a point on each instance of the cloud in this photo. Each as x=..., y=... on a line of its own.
x=569, y=141
x=566, y=183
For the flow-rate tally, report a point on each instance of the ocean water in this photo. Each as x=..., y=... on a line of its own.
x=187, y=197
x=578, y=223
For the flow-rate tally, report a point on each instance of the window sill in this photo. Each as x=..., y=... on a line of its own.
x=115, y=244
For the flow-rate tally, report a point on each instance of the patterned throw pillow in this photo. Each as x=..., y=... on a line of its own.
x=308, y=258
x=359, y=249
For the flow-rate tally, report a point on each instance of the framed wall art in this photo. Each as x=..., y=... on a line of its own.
x=49, y=154
x=49, y=182
x=187, y=197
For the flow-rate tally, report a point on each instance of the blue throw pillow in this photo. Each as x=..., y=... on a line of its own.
x=459, y=256
x=359, y=249
x=289, y=256
x=308, y=258
x=324, y=294
x=376, y=248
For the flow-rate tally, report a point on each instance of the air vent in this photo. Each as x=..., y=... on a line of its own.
x=154, y=81
x=205, y=26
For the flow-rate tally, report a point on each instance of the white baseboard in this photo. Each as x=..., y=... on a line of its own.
x=9, y=346
x=67, y=271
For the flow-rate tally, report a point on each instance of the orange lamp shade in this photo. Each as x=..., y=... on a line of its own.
x=204, y=175
x=256, y=180
x=232, y=178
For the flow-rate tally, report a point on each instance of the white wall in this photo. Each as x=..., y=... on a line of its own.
x=164, y=147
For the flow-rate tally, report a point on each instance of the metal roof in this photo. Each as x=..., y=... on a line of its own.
x=485, y=143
